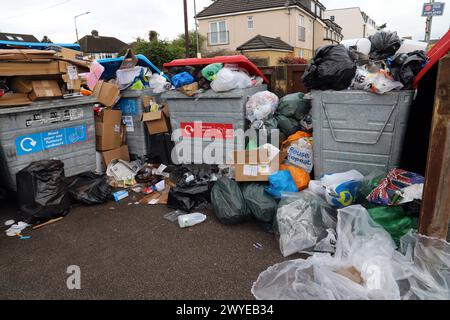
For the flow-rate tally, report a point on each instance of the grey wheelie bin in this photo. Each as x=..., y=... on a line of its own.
x=359, y=130
x=55, y=129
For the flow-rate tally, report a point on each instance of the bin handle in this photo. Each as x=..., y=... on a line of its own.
x=333, y=133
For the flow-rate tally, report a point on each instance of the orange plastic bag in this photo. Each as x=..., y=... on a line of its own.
x=295, y=137
x=300, y=176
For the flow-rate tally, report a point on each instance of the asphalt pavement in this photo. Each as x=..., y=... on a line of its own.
x=129, y=251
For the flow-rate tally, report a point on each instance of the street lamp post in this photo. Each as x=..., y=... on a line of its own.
x=75, y=19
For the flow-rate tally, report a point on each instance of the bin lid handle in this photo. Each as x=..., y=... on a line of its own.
x=375, y=141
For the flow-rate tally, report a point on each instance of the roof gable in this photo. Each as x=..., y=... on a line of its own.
x=17, y=37
x=221, y=7
x=261, y=42
x=91, y=44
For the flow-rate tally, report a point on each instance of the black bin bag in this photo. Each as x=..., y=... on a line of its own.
x=42, y=191
x=384, y=45
x=189, y=198
x=261, y=205
x=229, y=203
x=333, y=68
x=89, y=188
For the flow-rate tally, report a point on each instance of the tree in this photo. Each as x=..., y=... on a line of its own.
x=180, y=42
x=153, y=36
x=159, y=51
x=46, y=39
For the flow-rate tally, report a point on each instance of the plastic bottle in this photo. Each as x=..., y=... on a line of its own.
x=190, y=220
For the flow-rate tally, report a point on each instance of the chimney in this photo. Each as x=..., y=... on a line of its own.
x=94, y=33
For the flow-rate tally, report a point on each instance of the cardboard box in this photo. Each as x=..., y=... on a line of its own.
x=255, y=165
x=21, y=85
x=106, y=93
x=66, y=54
x=45, y=89
x=129, y=61
x=108, y=130
x=14, y=69
x=121, y=153
x=157, y=122
x=14, y=100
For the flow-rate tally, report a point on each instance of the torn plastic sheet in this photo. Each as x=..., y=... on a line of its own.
x=420, y=271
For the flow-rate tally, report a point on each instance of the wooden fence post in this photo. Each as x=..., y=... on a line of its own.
x=435, y=212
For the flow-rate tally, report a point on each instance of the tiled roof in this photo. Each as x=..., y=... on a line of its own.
x=93, y=44
x=261, y=42
x=5, y=36
x=219, y=7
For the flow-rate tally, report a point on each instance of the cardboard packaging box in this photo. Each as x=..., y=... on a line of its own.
x=106, y=93
x=157, y=122
x=45, y=89
x=14, y=100
x=121, y=153
x=21, y=85
x=108, y=130
x=66, y=54
x=255, y=165
x=14, y=69
x=129, y=61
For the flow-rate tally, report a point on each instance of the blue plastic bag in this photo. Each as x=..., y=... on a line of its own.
x=281, y=182
x=182, y=79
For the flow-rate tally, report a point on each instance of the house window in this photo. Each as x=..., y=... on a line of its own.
x=250, y=22
x=218, y=33
x=302, y=29
x=301, y=53
x=332, y=18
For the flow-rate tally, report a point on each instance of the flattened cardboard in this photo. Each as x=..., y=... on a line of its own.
x=21, y=85
x=13, y=69
x=14, y=100
x=106, y=93
x=157, y=122
x=119, y=153
x=108, y=130
x=45, y=89
x=254, y=165
x=129, y=61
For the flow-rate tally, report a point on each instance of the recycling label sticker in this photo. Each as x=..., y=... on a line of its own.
x=38, y=142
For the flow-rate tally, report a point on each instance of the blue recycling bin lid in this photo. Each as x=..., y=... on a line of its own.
x=37, y=45
x=111, y=65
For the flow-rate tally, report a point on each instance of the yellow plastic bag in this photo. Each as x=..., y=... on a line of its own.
x=300, y=176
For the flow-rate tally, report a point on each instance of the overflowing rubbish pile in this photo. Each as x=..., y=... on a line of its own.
x=28, y=75
x=350, y=223
x=382, y=63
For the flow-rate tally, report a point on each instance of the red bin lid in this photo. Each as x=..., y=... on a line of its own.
x=240, y=60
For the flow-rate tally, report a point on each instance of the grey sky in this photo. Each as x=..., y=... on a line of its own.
x=129, y=19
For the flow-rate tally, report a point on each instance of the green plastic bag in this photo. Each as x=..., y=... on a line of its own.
x=228, y=202
x=288, y=126
x=294, y=106
x=394, y=220
x=210, y=71
x=261, y=205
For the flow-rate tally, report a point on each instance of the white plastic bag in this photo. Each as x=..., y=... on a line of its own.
x=421, y=271
x=303, y=220
x=126, y=77
x=301, y=154
x=158, y=83
x=261, y=106
x=342, y=188
x=362, y=245
x=227, y=80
